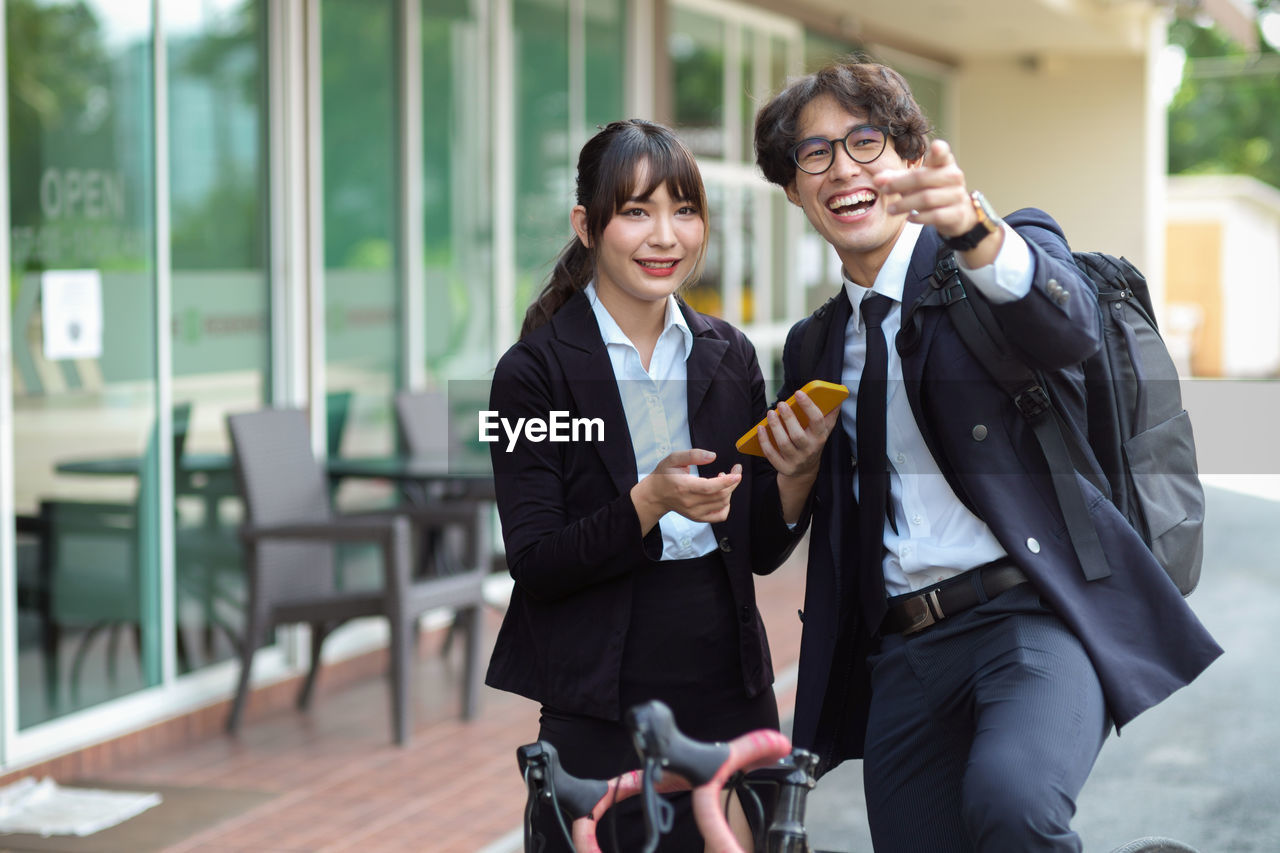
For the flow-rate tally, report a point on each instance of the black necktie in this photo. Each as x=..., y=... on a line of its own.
x=873, y=467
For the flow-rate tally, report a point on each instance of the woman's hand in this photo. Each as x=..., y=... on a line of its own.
x=672, y=487
x=794, y=451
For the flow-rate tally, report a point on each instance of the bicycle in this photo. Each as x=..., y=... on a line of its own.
x=759, y=766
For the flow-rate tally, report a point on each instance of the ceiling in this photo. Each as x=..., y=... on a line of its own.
x=951, y=30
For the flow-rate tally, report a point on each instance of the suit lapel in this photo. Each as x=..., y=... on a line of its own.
x=924, y=321
x=923, y=261
x=589, y=375
x=835, y=477
x=831, y=362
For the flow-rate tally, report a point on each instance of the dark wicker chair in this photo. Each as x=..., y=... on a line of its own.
x=289, y=537
x=422, y=420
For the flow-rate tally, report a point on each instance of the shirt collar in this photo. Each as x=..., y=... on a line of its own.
x=891, y=280
x=613, y=334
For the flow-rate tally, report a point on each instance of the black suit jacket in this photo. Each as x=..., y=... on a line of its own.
x=1143, y=639
x=571, y=532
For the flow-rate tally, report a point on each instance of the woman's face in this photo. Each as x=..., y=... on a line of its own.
x=648, y=249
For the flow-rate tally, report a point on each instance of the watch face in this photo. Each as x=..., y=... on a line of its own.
x=986, y=214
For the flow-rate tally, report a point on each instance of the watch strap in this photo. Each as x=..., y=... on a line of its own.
x=988, y=224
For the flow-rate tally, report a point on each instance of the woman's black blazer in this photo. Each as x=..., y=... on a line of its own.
x=571, y=532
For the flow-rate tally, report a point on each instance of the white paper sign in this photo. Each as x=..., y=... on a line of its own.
x=71, y=311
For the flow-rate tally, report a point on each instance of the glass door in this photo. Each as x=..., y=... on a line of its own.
x=363, y=343
x=83, y=319
x=457, y=310
x=216, y=60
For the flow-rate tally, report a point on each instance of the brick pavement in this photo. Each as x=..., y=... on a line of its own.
x=338, y=784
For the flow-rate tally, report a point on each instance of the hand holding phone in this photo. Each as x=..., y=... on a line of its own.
x=825, y=395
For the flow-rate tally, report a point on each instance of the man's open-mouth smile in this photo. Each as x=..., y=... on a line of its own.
x=853, y=204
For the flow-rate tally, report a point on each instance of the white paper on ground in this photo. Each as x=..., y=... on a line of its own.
x=46, y=808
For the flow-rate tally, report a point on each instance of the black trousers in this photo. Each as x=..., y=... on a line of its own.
x=982, y=731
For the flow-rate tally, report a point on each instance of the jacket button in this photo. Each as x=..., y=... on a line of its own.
x=979, y=432
x=725, y=545
x=1033, y=545
x=745, y=614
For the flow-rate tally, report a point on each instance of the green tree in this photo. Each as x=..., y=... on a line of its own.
x=1225, y=118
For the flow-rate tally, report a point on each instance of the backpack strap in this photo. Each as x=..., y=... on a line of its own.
x=977, y=327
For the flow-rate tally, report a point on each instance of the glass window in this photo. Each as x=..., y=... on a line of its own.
x=362, y=297
x=458, y=311
x=724, y=67
x=606, y=46
x=550, y=128
x=820, y=49
x=697, y=49
x=82, y=287
x=544, y=159
x=707, y=294
x=221, y=323
x=929, y=89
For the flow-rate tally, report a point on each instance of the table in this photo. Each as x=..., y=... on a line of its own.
x=429, y=473
x=422, y=480
x=425, y=481
x=476, y=483
x=190, y=463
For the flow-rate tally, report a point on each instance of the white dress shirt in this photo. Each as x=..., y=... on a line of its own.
x=936, y=536
x=656, y=403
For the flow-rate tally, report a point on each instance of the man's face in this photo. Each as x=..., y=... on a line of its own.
x=842, y=203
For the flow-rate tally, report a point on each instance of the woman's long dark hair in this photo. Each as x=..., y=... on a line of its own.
x=608, y=171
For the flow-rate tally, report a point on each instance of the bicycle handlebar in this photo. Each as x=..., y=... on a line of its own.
x=706, y=766
x=547, y=780
x=672, y=762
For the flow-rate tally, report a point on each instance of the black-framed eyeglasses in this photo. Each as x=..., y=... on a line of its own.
x=863, y=144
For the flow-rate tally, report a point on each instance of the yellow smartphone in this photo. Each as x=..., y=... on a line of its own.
x=825, y=395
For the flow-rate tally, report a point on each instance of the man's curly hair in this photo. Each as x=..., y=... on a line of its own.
x=867, y=88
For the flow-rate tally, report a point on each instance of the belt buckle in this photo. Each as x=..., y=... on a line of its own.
x=923, y=611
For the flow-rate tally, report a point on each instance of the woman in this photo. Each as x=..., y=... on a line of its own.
x=632, y=547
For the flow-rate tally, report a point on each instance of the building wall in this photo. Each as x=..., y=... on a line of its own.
x=1059, y=134
x=1243, y=216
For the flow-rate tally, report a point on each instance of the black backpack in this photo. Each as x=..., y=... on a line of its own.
x=1137, y=427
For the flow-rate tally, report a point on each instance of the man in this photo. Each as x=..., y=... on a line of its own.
x=951, y=639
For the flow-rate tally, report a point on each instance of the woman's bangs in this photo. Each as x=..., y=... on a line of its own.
x=654, y=163
x=676, y=169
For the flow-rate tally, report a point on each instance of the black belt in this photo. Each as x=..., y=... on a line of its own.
x=916, y=611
